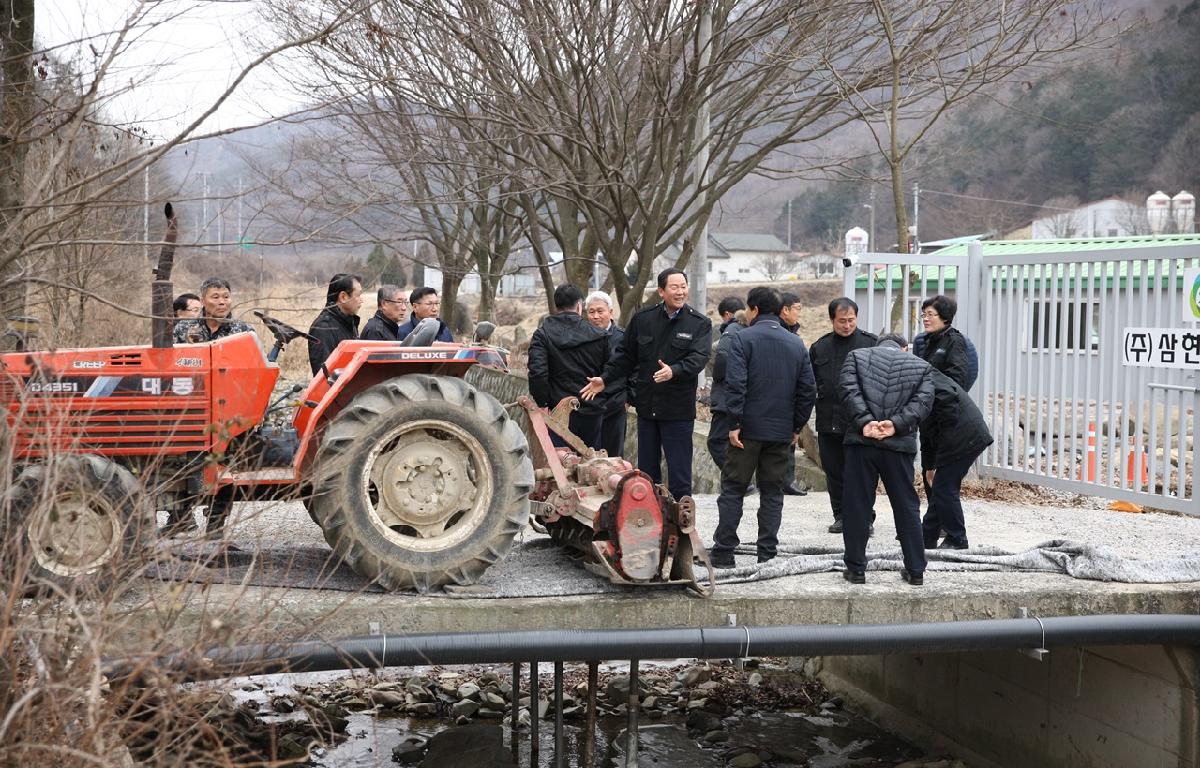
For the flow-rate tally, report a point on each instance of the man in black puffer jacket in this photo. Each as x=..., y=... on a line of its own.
x=564, y=352
x=887, y=394
x=951, y=439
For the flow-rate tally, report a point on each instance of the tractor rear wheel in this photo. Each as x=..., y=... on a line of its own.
x=83, y=520
x=422, y=481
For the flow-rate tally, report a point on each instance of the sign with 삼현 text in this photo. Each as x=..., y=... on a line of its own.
x=1162, y=348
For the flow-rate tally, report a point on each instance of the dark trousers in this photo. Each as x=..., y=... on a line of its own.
x=718, y=437
x=831, y=446
x=670, y=438
x=769, y=460
x=866, y=465
x=586, y=428
x=612, y=432
x=945, y=507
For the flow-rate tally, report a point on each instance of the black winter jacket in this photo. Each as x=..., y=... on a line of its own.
x=828, y=355
x=716, y=395
x=563, y=353
x=955, y=429
x=617, y=395
x=946, y=351
x=768, y=382
x=380, y=328
x=332, y=327
x=885, y=384
x=682, y=342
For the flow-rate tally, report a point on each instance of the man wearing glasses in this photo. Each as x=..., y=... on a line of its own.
x=425, y=303
x=385, y=325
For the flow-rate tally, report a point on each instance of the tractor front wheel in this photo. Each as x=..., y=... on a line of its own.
x=83, y=520
x=422, y=481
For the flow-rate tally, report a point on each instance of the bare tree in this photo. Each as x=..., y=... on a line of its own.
x=1060, y=216
x=940, y=53
x=775, y=265
x=593, y=106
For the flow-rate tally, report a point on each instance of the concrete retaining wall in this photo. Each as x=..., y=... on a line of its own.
x=1095, y=707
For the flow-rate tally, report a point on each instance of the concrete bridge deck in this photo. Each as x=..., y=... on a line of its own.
x=184, y=613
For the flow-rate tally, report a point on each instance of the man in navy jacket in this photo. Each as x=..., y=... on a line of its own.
x=769, y=395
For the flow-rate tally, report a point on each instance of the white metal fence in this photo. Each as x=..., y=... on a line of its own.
x=1089, y=360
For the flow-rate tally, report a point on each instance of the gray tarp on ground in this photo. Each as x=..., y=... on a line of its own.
x=537, y=567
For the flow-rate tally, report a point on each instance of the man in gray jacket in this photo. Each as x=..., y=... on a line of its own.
x=887, y=393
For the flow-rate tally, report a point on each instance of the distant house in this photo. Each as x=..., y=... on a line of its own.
x=1112, y=217
x=735, y=257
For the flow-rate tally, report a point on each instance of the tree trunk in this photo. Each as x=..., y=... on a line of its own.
x=16, y=44
x=487, y=296
x=450, y=284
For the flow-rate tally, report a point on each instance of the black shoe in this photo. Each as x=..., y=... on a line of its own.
x=931, y=545
x=791, y=489
x=751, y=489
x=915, y=579
x=765, y=558
x=949, y=543
x=837, y=526
x=721, y=561
x=854, y=577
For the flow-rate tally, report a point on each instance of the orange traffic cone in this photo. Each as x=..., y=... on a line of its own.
x=1090, y=458
x=1133, y=460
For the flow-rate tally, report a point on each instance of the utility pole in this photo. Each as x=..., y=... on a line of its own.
x=700, y=173
x=871, y=246
x=204, y=208
x=789, y=228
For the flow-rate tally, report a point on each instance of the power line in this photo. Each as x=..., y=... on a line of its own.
x=997, y=200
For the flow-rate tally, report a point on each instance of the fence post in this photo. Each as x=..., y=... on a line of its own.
x=976, y=283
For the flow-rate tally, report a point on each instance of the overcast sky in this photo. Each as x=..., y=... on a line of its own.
x=180, y=60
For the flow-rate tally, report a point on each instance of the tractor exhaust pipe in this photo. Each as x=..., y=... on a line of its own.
x=162, y=292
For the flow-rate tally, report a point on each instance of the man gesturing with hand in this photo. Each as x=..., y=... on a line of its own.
x=665, y=348
x=886, y=393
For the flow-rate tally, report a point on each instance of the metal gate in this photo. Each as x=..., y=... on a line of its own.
x=1088, y=359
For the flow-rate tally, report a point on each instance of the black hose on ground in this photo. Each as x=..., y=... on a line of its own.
x=375, y=651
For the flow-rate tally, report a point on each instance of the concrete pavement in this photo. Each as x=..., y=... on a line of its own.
x=188, y=612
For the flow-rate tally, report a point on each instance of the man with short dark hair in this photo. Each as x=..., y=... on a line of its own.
x=789, y=318
x=718, y=425
x=769, y=395
x=215, y=320
x=887, y=394
x=727, y=309
x=385, y=324
x=664, y=351
x=828, y=355
x=338, y=321
x=789, y=314
x=599, y=310
x=564, y=352
x=186, y=306
x=425, y=302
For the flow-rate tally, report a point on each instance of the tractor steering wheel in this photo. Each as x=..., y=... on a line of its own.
x=282, y=332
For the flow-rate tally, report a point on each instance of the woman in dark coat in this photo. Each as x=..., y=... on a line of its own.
x=952, y=437
x=945, y=348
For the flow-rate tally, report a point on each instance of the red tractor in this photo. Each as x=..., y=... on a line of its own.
x=416, y=478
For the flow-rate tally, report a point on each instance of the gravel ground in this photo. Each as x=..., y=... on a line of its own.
x=1006, y=525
